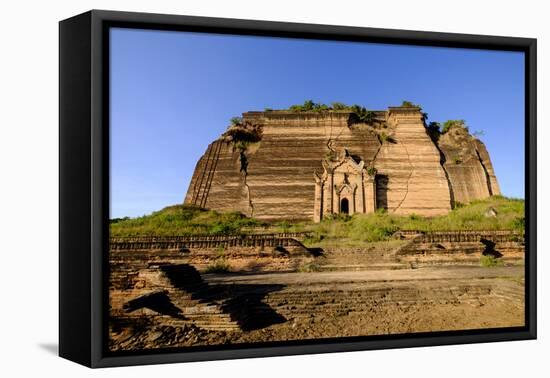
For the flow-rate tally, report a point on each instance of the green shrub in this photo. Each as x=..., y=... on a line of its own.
x=307, y=106
x=519, y=223
x=384, y=137
x=488, y=261
x=241, y=145
x=246, y=132
x=235, y=121
x=313, y=239
x=309, y=267
x=447, y=125
x=220, y=252
x=284, y=226
x=358, y=113
x=458, y=205
x=409, y=104
x=339, y=106
x=219, y=266
x=371, y=171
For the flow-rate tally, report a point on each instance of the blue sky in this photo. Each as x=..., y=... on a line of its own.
x=172, y=93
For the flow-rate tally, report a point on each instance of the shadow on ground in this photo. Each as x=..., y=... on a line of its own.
x=490, y=248
x=156, y=301
x=51, y=348
x=243, y=302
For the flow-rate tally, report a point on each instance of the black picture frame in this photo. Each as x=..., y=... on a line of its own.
x=84, y=183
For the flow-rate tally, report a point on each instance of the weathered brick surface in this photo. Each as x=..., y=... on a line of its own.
x=415, y=180
x=468, y=166
x=415, y=175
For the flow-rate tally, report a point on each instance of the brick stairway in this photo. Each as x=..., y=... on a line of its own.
x=191, y=299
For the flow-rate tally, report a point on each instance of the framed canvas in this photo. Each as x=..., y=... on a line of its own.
x=235, y=188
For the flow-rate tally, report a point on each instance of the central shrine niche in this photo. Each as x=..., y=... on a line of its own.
x=345, y=187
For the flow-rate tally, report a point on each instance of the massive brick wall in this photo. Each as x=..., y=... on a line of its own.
x=276, y=182
x=411, y=163
x=280, y=172
x=468, y=165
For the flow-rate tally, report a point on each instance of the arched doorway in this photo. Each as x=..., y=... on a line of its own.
x=344, y=206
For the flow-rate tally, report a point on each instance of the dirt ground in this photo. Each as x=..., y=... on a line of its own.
x=419, y=275
x=340, y=304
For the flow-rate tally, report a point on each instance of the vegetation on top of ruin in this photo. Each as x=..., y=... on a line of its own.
x=183, y=220
x=454, y=123
x=235, y=121
x=246, y=132
x=361, y=114
x=409, y=104
x=437, y=129
x=242, y=133
x=310, y=106
x=358, y=113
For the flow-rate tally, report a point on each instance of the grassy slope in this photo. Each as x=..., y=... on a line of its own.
x=182, y=220
x=380, y=226
x=185, y=220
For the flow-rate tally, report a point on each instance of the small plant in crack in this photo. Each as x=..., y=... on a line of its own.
x=385, y=138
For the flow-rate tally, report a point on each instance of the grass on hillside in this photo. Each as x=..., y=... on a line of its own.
x=380, y=226
x=183, y=220
x=374, y=227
